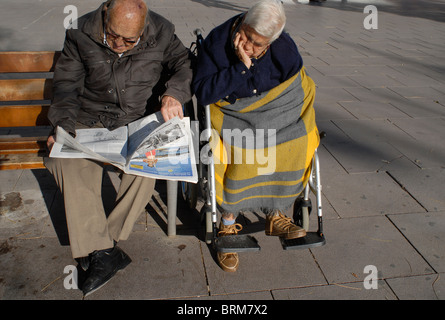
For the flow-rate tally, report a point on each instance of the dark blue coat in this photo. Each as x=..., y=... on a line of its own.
x=221, y=75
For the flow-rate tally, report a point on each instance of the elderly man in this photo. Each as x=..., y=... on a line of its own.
x=252, y=75
x=104, y=78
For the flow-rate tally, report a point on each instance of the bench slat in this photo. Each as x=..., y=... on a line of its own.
x=24, y=116
x=31, y=145
x=21, y=161
x=25, y=89
x=27, y=61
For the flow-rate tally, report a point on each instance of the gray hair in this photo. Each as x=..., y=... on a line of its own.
x=267, y=18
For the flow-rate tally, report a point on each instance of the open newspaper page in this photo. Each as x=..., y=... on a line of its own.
x=166, y=153
x=147, y=147
x=96, y=143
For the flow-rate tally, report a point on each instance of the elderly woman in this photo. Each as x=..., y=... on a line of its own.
x=252, y=75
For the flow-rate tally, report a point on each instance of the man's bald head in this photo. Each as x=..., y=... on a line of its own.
x=128, y=12
x=126, y=19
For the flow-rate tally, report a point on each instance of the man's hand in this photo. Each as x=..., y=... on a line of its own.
x=171, y=108
x=50, y=142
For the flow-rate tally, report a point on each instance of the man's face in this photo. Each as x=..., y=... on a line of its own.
x=122, y=34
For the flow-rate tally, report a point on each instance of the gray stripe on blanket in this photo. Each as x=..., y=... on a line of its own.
x=273, y=123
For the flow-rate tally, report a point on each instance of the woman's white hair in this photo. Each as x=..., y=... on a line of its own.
x=267, y=18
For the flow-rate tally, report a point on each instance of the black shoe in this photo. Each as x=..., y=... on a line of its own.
x=103, y=266
x=83, y=262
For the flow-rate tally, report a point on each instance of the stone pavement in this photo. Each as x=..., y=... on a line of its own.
x=381, y=101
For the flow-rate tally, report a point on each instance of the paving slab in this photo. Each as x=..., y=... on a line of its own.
x=35, y=179
x=367, y=194
x=162, y=268
x=427, y=287
x=371, y=143
x=329, y=165
x=332, y=94
x=327, y=110
x=427, y=147
x=333, y=70
x=356, y=146
x=344, y=60
x=426, y=232
x=418, y=92
x=9, y=179
x=402, y=164
x=354, y=243
x=372, y=110
x=25, y=215
x=335, y=81
x=18, y=209
x=372, y=80
x=375, y=75
x=425, y=185
x=423, y=76
x=362, y=157
x=420, y=108
x=379, y=94
x=22, y=262
x=345, y=291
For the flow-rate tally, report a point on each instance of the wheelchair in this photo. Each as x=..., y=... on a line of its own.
x=205, y=187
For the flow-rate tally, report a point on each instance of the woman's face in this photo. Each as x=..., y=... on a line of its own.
x=253, y=43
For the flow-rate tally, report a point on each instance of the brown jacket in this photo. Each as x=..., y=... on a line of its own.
x=93, y=84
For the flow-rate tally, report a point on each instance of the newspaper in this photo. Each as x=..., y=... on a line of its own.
x=147, y=147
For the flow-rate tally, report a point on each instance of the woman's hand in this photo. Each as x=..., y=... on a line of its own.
x=239, y=50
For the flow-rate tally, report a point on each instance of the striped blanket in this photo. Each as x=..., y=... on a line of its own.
x=263, y=146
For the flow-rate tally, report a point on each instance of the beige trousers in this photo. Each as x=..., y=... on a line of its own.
x=80, y=181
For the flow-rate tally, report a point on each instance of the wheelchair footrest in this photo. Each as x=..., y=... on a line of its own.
x=236, y=243
x=311, y=240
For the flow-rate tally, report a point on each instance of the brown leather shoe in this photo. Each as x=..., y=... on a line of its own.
x=281, y=226
x=229, y=262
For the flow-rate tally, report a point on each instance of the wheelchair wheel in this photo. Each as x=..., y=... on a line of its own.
x=302, y=210
x=189, y=192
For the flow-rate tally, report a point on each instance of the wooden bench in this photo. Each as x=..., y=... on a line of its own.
x=25, y=96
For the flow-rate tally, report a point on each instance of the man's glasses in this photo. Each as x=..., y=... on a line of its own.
x=128, y=42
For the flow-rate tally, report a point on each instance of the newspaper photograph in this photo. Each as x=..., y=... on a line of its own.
x=165, y=152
